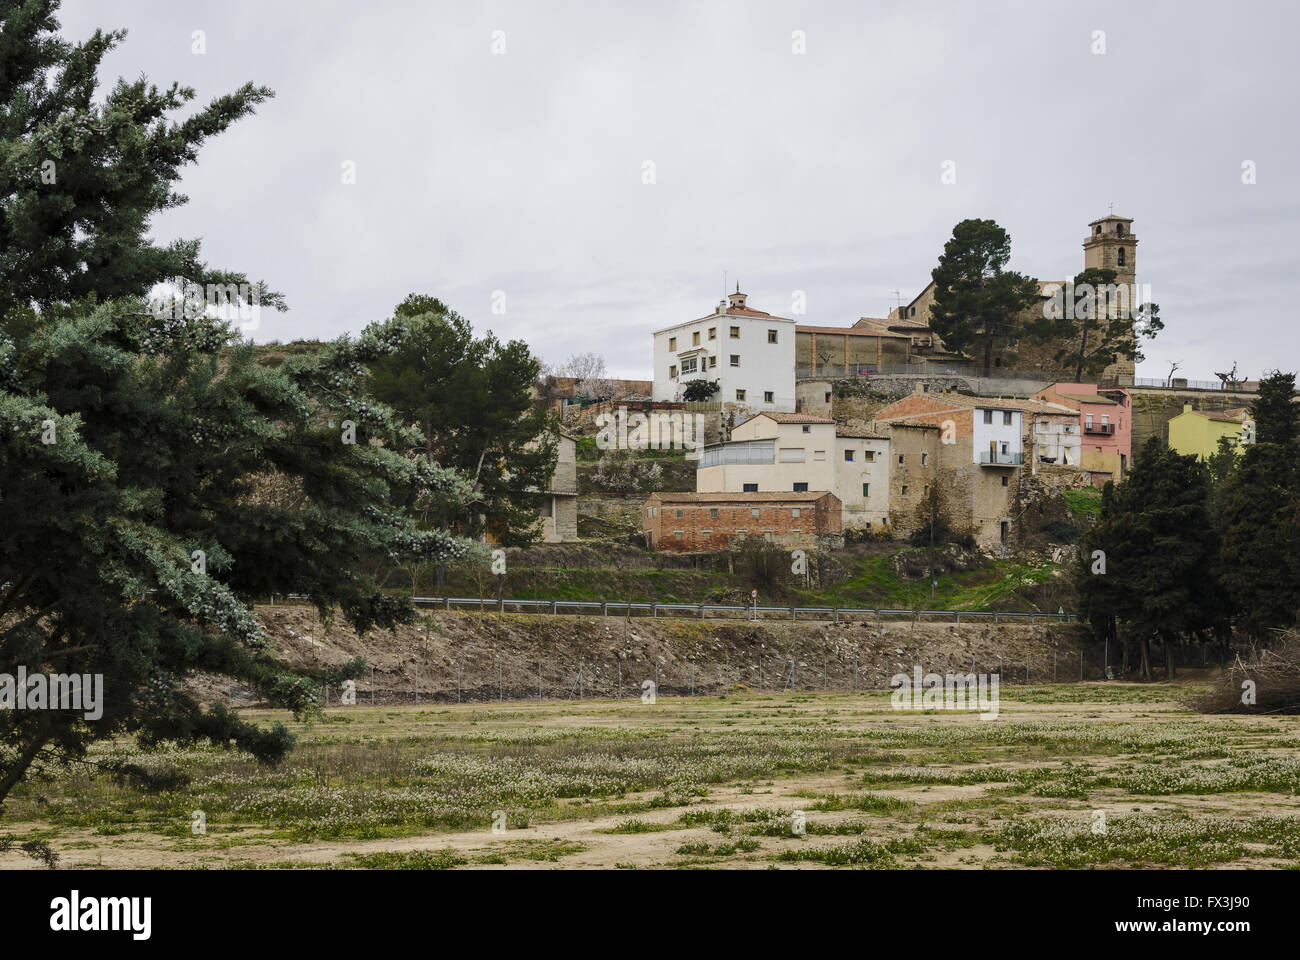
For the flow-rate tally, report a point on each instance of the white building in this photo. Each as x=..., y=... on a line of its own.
x=797, y=452
x=750, y=353
x=996, y=436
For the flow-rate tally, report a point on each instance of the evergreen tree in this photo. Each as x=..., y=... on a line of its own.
x=1160, y=550
x=1276, y=414
x=1259, y=520
x=976, y=302
x=84, y=171
x=473, y=400
x=157, y=479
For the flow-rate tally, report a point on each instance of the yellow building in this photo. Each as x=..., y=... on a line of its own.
x=1198, y=431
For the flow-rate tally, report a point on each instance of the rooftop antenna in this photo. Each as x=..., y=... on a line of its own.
x=898, y=296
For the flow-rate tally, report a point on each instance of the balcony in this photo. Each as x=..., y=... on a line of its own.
x=990, y=459
x=1100, y=429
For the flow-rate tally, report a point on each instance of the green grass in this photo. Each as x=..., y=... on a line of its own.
x=1083, y=502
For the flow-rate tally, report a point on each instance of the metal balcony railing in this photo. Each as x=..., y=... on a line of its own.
x=990, y=459
x=1103, y=429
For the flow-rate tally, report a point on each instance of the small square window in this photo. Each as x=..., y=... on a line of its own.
x=767, y=396
x=713, y=511
x=754, y=512
x=869, y=456
x=900, y=459
x=740, y=394
x=1006, y=418
x=750, y=488
x=904, y=489
x=672, y=372
x=672, y=343
x=806, y=427
x=794, y=512
x=677, y=534
x=988, y=416
x=1004, y=479
x=848, y=456
x=713, y=361
x=801, y=488
x=681, y=513
x=735, y=333
x=713, y=333
x=771, y=336
x=695, y=339
x=735, y=359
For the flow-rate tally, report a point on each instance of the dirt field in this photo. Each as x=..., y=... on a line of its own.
x=1077, y=775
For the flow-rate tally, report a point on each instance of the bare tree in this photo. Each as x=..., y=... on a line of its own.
x=590, y=376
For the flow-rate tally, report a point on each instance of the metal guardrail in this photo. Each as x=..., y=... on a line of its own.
x=701, y=610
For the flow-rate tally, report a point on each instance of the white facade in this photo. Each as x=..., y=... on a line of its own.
x=749, y=353
x=801, y=453
x=996, y=436
x=1058, y=442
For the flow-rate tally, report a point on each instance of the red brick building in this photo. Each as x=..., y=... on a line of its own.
x=688, y=522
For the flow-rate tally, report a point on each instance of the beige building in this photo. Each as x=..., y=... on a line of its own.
x=797, y=453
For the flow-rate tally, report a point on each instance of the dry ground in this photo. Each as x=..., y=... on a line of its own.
x=1078, y=775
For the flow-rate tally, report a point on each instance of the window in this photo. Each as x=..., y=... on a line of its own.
x=740, y=394
x=672, y=372
x=1105, y=419
x=1120, y=261
x=688, y=365
x=869, y=456
x=927, y=490
x=795, y=512
x=900, y=459
x=1006, y=418
x=988, y=416
x=866, y=490
x=695, y=339
x=713, y=362
x=848, y=456
x=904, y=489
x=1088, y=420
x=925, y=459
x=681, y=513
x=735, y=359
x=754, y=512
x=828, y=396
x=912, y=312
x=767, y=398
x=1119, y=229
x=735, y=333
x=713, y=333
x=819, y=454
x=1098, y=230
x=677, y=534
x=1004, y=448
x=706, y=534
x=713, y=511
x=750, y=488
x=1004, y=479
x=672, y=343
x=806, y=427
x=800, y=488
x=771, y=334
x=792, y=455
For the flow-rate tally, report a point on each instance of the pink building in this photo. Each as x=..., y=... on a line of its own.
x=1106, y=419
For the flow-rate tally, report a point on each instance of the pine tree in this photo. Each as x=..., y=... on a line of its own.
x=1160, y=551
x=157, y=479
x=1259, y=520
x=85, y=171
x=1276, y=414
x=473, y=399
x=977, y=304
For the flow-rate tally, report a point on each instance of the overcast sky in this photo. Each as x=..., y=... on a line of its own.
x=523, y=172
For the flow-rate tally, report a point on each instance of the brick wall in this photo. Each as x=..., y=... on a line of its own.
x=704, y=522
